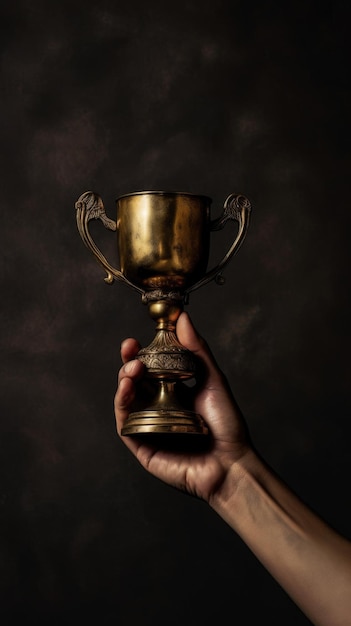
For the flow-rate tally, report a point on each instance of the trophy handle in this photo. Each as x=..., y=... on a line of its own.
x=236, y=207
x=90, y=206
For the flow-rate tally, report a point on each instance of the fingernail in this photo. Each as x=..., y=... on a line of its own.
x=128, y=368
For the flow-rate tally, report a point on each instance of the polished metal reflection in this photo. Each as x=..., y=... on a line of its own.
x=163, y=243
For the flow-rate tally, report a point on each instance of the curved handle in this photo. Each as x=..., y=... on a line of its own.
x=90, y=206
x=236, y=207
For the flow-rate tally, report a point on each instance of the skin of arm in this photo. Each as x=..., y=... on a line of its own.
x=307, y=557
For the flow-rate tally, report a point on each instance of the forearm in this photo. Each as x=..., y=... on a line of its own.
x=309, y=560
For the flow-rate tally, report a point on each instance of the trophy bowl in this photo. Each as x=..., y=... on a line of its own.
x=163, y=244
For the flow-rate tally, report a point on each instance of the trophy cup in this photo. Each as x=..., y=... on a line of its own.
x=163, y=243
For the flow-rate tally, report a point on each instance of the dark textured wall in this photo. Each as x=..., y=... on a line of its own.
x=207, y=97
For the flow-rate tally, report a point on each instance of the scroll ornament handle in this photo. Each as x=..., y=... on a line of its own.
x=236, y=207
x=90, y=206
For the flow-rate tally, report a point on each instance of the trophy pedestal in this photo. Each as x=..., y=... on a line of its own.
x=167, y=363
x=156, y=421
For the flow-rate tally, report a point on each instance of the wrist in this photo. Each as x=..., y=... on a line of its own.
x=225, y=500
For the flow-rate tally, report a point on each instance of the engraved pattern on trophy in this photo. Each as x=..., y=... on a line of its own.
x=163, y=243
x=165, y=352
x=158, y=294
x=234, y=205
x=94, y=208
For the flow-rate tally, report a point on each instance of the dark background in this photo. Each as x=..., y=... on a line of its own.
x=207, y=97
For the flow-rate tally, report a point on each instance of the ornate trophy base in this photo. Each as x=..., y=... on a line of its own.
x=164, y=422
x=167, y=364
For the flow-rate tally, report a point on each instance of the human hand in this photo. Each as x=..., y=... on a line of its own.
x=199, y=472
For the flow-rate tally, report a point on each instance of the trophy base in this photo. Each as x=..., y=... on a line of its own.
x=152, y=421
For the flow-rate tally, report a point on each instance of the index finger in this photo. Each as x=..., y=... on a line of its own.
x=129, y=349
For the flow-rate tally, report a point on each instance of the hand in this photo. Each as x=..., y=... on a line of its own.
x=199, y=472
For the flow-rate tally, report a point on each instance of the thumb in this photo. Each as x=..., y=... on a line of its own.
x=192, y=340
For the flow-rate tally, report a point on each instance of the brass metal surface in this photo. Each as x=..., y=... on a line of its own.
x=163, y=239
x=163, y=244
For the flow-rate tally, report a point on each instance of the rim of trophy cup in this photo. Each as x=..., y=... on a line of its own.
x=156, y=192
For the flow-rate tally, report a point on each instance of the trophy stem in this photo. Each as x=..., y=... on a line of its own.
x=167, y=363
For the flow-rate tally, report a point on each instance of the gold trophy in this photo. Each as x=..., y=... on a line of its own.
x=163, y=243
